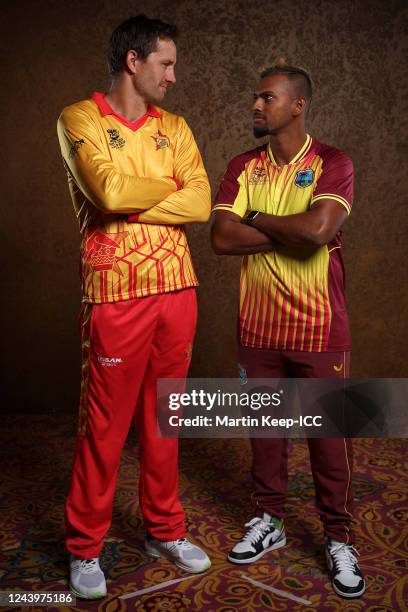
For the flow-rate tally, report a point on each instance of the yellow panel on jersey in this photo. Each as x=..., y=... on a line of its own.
x=291, y=298
x=115, y=168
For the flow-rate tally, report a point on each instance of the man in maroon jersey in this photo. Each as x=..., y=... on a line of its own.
x=281, y=205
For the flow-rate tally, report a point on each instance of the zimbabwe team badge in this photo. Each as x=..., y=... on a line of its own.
x=162, y=141
x=304, y=178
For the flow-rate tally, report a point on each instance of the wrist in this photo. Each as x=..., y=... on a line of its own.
x=250, y=217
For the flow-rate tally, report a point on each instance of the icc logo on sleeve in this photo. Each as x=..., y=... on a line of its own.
x=304, y=178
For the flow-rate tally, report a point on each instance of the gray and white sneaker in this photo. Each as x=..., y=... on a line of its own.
x=346, y=577
x=183, y=553
x=265, y=533
x=87, y=580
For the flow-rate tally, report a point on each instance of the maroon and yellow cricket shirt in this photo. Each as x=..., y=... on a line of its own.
x=291, y=298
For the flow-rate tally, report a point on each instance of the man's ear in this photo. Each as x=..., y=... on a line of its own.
x=131, y=61
x=299, y=106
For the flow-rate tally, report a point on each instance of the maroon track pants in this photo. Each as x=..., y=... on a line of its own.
x=331, y=458
x=126, y=347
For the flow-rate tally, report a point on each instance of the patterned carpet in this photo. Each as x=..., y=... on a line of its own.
x=36, y=456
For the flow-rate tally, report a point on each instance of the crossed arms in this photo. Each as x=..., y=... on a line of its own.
x=155, y=200
x=314, y=228
x=330, y=204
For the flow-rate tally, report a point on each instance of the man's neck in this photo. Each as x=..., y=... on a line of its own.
x=286, y=144
x=125, y=101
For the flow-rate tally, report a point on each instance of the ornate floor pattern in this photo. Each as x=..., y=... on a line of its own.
x=36, y=457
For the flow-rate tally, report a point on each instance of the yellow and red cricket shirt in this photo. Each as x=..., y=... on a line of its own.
x=115, y=168
x=291, y=298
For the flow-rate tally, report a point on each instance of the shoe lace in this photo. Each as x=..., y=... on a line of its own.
x=258, y=528
x=183, y=543
x=344, y=556
x=89, y=566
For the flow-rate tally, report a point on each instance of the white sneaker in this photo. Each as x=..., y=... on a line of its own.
x=347, y=579
x=185, y=555
x=264, y=534
x=87, y=580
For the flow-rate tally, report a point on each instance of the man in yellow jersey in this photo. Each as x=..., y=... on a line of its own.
x=281, y=205
x=136, y=177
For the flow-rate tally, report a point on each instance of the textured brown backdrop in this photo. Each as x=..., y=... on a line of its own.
x=54, y=54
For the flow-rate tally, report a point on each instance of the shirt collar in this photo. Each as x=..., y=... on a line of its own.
x=299, y=155
x=106, y=109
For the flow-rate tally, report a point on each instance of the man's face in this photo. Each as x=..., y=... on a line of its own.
x=274, y=105
x=156, y=73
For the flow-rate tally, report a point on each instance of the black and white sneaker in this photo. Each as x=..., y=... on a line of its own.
x=347, y=579
x=264, y=534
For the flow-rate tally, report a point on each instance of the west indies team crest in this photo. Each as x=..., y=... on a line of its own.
x=162, y=141
x=304, y=178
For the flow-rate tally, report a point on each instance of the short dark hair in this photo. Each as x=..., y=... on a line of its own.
x=299, y=77
x=139, y=34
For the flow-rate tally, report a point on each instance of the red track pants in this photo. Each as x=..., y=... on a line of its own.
x=126, y=346
x=331, y=458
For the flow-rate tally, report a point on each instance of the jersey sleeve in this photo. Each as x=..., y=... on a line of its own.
x=192, y=200
x=233, y=194
x=95, y=173
x=336, y=180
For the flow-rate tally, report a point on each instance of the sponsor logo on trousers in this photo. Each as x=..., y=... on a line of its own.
x=109, y=361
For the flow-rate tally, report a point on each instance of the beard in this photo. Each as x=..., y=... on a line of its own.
x=260, y=132
x=154, y=96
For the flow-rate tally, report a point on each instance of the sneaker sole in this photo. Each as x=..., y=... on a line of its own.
x=275, y=546
x=348, y=595
x=152, y=552
x=97, y=595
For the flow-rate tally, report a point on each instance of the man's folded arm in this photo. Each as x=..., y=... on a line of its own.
x=192, y=202
x=95, y=173
x=229, y=236
x=313, y=228
x=330, y=204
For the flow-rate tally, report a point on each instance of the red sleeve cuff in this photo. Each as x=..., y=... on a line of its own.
x=178, y=184
x=133, y=218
